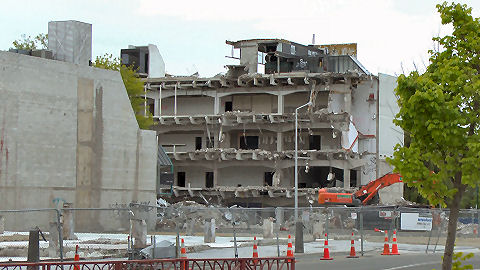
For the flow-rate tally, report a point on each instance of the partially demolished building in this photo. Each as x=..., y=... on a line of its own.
x=231, y=137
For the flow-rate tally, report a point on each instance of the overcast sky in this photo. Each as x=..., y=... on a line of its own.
x=191, y=34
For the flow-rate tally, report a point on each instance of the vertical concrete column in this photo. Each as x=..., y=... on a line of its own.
x=280, y=103
x=346, y=177
x=348, y=96
x=33, y=246
x=216, y=108
x=2, y=224
x=68, y=222
x=215, y=174
x=268, y=228
x=190, y=230
x=279, y=216
x=279, y=141
x=53, y=250
x=159, y=102
x=209, y=232
x=138, y=229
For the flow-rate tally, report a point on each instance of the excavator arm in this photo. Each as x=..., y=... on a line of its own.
x=365, y=193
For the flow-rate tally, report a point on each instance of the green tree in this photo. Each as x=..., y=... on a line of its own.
x=133, y=84
x=40, y=41
x=440, y=111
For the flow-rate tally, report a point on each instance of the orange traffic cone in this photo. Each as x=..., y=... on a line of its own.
x=289, y=247
x=255, y=250
x=76, y=258
x=326, y=251
x=352, y=248
x=394, y=244
x=386, y=247
x=183, y=255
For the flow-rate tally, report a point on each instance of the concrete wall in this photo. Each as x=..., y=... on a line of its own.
x=364, y=117
x=258, y=103
x=295, y=100
x=233, y=176
x=68, y=133
x=188, y=105
x=186, y=138
x=389, y=133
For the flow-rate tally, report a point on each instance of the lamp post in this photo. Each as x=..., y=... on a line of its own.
x=298, y=223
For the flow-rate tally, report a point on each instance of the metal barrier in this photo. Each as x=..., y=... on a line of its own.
x=275, y=263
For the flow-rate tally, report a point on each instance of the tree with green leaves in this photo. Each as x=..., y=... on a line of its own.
x=38, y=42
x=133, y=84
x=440, y=111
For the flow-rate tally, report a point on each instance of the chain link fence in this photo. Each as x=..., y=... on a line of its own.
x=116, y=231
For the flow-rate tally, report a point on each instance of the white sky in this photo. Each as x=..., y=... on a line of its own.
x=191, y=34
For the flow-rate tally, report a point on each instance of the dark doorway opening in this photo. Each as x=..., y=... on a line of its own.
x=198, y=143
x=315, y=142
x=353, y=178
x=228, y=106
x=209, y=179
x=181, y=179
x=268, y=178
x=249, y=142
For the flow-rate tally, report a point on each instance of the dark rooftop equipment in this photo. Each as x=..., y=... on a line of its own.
x=136, y=57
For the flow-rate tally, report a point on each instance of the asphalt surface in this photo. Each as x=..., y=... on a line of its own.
x=378, y=262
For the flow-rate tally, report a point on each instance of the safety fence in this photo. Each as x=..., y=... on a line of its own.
x=161, y=264
x=116, y=231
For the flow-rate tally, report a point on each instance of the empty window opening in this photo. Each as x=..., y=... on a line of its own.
x=353, y=178
x=268, y=178
x=228, y=106
x=315, y=142
x=198, y=143
x=209, y=142
x=181, y=179
x=318, y=176
x=249, y=142
x=209, y=179
x=146, y=63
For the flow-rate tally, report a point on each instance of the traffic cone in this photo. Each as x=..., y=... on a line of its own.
x=255, y=250
x=352, y=248
x=326, y=252
x=386, y=247
x=183, y=255
x=394, y=244
x=289, y=247
x=76, y=259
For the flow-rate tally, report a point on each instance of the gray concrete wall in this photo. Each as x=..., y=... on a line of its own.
x=188, y=105
x=364, y=116
x=68, y=133
x=232, y=176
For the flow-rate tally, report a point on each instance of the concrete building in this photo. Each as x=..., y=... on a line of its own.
x=231, y=137
x=68, y=134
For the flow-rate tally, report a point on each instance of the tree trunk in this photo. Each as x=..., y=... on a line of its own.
x=452, y=223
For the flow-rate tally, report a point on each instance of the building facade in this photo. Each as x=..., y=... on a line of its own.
x=231, y=137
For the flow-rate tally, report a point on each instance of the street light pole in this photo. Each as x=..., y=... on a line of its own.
x=298, y=223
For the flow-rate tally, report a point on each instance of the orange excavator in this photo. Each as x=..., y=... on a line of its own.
x=362, y=196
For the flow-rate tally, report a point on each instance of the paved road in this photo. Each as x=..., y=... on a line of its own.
x=378, y=262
